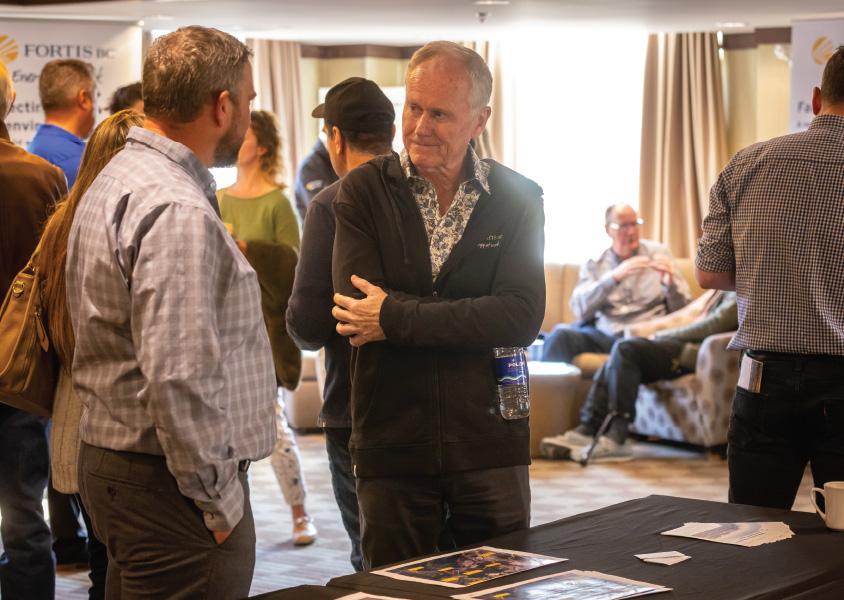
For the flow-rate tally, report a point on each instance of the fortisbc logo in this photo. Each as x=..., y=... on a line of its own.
x=822, y=50
x=8, y=49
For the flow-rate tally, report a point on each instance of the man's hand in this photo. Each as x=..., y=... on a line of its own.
x=665, y=267
x=360, y=320
x=221, y=536
x=630, y=267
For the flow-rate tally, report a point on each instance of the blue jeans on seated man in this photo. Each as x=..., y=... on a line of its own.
x=796, y=418
x=27, y=569
x=632, y=362
x=567, y=341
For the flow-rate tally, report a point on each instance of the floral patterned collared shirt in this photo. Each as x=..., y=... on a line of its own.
x=445, y=231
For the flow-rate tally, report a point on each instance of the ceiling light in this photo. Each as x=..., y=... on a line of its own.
x=491, y=2
x=731, y=25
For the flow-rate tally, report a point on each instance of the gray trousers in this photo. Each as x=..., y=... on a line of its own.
x=405, y=517
x=158, y=545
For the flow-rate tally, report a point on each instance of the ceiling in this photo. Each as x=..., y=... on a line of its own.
x=410, y=21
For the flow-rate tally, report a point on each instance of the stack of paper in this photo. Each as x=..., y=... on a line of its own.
x=663, y=558
x=738, y=534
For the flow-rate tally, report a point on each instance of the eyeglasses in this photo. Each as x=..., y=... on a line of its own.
x=626, y=226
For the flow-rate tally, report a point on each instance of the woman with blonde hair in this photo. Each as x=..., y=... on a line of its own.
x=256, y=210
x=107, y=140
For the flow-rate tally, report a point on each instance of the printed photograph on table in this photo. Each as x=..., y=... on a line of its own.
x=468, y=567
x=570, y=585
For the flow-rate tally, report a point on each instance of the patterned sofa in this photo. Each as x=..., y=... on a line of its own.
x=694, y=408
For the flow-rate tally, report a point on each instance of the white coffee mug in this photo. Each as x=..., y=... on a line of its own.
x=833, y=495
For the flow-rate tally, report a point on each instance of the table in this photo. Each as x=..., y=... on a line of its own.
x=809, y=566
x=557, y=390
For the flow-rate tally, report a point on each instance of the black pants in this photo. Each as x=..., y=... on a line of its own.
x=343, y=483
x=403, y=517
x=158, y=545
x=795, y=419
x=616, y=384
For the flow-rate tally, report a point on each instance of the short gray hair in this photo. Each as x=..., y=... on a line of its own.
x=7, y=90
x=184, y=69
x=61, y=80
x=475, y=66
x=613, y=208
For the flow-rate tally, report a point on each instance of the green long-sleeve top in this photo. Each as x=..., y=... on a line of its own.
x=721, y=318
x=267, y=218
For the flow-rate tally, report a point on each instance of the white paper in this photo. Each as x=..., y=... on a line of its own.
x=467, y=567
x=663, y=558
x=583, y=585
x=737, y=534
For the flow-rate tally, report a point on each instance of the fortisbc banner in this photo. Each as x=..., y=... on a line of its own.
x=812, y=43
x=26, y=46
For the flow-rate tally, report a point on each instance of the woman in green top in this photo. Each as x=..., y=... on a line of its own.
x=256, y=209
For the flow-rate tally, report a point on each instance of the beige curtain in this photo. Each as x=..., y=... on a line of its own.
x=683, y=137
x=279, y=88
x=493, y=141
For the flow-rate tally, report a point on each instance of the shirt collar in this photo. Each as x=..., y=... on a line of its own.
x=51, y=130
x=827, y=122
x=178, y=153
x=478, y=169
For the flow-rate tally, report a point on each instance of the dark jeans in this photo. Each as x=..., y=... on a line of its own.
x=158, y=545
x=97, y=558
x=69, y=541
x=403, y=517
x=567, y=341
x=343, y=482
x=27, y=570
x=795, y=419
x=615, y=386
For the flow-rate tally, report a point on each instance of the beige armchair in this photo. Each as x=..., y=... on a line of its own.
x=694, y=408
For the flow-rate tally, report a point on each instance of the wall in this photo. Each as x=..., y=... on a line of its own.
x=325, y=72
x=757, y=93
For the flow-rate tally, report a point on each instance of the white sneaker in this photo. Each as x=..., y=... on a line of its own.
x=304, y=531
x=608, y=450
x=561, y=447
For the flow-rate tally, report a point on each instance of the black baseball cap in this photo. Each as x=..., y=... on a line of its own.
x=357, y=104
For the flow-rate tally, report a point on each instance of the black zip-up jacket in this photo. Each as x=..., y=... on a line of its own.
x=424, y=401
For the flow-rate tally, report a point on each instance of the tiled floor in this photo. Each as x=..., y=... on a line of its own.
x=559, y=489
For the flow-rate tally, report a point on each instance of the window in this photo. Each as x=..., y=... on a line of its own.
x=577, y=99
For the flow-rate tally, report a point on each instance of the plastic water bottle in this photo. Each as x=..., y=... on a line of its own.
x=511, y=370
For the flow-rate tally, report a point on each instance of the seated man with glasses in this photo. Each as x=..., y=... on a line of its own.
x=633, y=280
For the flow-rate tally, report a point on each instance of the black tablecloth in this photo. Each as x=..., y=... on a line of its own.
x=810, y=565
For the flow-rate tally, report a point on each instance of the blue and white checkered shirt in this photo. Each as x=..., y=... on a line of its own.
x=172, y=356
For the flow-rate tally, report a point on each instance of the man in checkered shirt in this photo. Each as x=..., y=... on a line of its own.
x=774, y=234
x=172, y=360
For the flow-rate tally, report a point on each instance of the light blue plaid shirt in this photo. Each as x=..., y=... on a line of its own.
x=172, y=355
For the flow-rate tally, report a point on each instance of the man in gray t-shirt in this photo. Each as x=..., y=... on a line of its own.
x=633, y=280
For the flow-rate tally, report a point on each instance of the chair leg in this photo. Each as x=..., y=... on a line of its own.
x=601, y=431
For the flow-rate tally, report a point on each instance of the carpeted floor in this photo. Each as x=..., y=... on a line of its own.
x=559, y=489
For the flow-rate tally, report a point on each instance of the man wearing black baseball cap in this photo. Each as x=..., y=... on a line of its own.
x=359, y=126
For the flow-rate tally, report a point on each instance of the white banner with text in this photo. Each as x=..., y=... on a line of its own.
x=812, y=43
x=26, y=46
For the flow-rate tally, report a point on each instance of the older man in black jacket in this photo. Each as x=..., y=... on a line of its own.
x=438, y=259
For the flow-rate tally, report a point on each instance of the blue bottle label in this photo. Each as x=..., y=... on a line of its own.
x=512, y=370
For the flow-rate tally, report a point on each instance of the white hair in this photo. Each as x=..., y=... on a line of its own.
x=475, y=66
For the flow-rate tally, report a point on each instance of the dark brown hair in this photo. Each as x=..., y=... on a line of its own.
x=125, y=97
x=832, y=83
x=376, y=143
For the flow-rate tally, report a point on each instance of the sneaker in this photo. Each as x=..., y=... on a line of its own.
x=561, y=447
x=608, y=450
x=304, y=531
